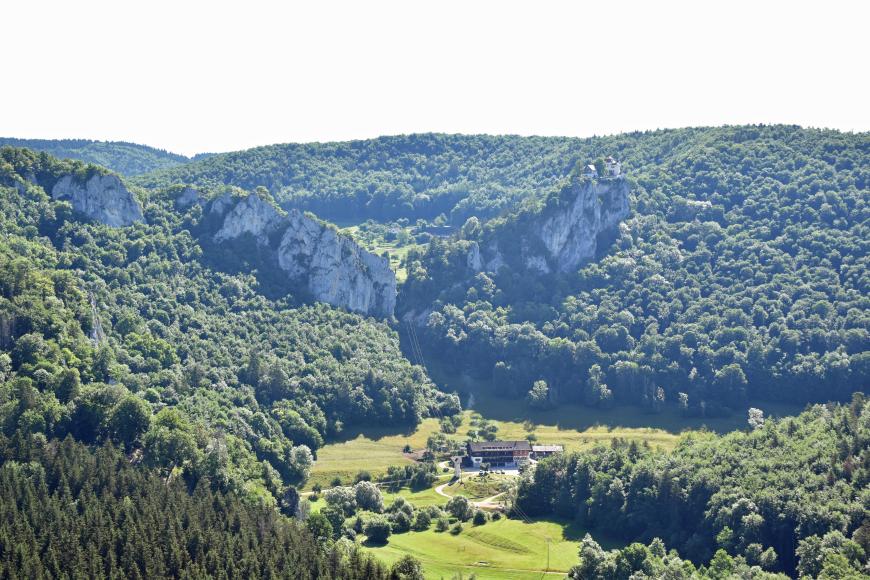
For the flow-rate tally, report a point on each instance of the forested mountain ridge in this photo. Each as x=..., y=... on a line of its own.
x=742, y=274
x=739, y=273
x=409, y=176
x=424, y=175
x=124, y=158
x=129, y=334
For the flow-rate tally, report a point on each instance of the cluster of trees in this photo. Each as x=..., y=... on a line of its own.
x=70, y=511
x=415, y=476
x=654, y=561
x=742, y=274
x=129, y=335
x=360, y=509
x=121, y=157
x=832, y=557
x=784, y=495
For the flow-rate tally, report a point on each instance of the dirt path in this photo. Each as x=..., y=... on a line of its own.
x=488, y=503
x=440, y=490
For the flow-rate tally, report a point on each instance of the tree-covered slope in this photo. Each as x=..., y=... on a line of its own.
x=132, y=335
x=410, y=176
x=742, y=273
x=124, y=158
x=70, y=512
x=787, y=495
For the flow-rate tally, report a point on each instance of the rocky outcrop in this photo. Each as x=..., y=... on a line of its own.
x=102, y=197
x=187, y=197
x=328, y=266
x=473, y=259
x=249, y=215
x=337, y=269
x=563, y=235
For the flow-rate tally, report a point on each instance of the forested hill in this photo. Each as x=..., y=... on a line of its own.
x=741, y=273
x=422, y=176
x=143, y=336
x=121, y=157
x=391, y=177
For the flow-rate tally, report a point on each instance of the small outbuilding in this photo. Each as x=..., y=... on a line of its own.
x=541, y=451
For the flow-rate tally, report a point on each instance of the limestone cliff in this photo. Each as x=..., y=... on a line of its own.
x=563, y=235
x=330, y=267
x=101, y=196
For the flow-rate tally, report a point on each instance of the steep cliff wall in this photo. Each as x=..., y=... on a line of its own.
x=101, y=197
x=330, y=267
x=563, y=235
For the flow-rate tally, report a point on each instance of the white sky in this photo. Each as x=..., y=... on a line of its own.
x=207, y=76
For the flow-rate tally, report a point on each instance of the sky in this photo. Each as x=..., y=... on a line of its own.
x=192, y=76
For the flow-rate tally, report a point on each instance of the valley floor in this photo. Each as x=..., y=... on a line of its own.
x=574, y=426
x=506, y=548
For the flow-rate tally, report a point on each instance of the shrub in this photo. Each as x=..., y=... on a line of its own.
x=407, y=568
x=400, y=522
x=422, y=521
x=459, y=507
x=343, y=497
x=442, y=524
x=480, y=518
x=377, y=529
x=335, y=515
x=456, y=529
x=319, y=526
x=368, y=496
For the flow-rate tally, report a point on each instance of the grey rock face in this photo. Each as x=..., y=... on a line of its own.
x=473, y=259
x=331, y=267
x=562, y=239
x=104, y=198
x=338, y=271
x=188, y=197
x=250, y=215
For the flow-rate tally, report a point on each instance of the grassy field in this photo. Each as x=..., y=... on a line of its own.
x=499, y=549
x=373, y=451
x=574, y=426
x=504, y=549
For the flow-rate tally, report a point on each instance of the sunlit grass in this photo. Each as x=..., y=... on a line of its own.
x=499, y=549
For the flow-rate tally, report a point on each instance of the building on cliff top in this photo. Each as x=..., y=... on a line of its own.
x=612, y=167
